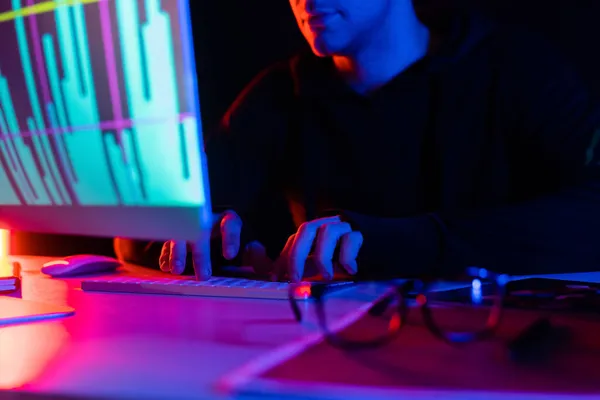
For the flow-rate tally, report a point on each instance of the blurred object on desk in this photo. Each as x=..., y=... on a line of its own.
x=10, y=273
x=537, y=293
x=554, y=295
x=8, y=284
x=10, y=276
x=4, y=244
x=18, y=311
x=6, y=266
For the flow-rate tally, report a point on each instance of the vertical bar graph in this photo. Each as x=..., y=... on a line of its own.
x=95, y=104
x=149, y=71
x=51, y=165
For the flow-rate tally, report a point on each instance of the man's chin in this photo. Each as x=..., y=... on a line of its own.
x=322, y=49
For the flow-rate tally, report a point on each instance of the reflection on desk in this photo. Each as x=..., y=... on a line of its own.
x=120, y=345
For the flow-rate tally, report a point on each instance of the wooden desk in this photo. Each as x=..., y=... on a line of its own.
x=139, y=346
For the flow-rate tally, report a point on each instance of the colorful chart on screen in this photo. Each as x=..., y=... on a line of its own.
x=98, y=104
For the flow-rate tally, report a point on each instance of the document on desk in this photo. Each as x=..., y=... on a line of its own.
x=416, y=365
x=17, y=311
x=583, y=277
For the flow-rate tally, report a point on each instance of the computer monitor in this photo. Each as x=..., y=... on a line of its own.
x=100, y=121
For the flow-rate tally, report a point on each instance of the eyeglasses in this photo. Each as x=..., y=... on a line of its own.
x=458, y=316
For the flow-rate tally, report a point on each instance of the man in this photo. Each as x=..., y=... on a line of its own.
x=437, y=148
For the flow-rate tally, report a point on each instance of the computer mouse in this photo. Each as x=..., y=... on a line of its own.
x=81, y=264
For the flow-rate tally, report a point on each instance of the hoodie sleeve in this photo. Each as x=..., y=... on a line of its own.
x=554, y=231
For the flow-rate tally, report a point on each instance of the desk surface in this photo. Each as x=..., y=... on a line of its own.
x=140, y=346
x=122, y=345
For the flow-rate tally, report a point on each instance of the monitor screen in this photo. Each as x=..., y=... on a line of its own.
x=99, y=115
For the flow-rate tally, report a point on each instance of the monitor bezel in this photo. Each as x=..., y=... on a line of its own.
x=145, y=223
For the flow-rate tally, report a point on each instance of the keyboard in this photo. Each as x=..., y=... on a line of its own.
x=214, y=287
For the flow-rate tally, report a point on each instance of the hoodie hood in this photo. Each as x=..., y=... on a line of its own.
x=459, y=34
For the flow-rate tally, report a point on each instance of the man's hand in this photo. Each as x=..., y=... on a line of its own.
x=173, y=255
x=323, y=235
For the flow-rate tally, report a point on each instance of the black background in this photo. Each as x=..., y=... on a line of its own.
x=235, y=39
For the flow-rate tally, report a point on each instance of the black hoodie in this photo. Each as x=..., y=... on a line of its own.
x=477, y=154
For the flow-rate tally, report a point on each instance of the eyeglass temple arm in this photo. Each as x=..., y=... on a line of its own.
x=296, y=309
